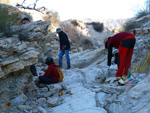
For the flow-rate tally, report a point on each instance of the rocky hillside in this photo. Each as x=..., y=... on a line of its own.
x=27, y=45
x=89, y=80
x=115, y=25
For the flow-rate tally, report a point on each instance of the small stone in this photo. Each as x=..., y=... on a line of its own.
x=52, y=102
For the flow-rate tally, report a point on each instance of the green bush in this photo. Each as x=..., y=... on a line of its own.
x=3, y=19
x=7, y=19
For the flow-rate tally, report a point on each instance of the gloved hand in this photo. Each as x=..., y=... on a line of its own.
x=109, y=64
x=63, y=47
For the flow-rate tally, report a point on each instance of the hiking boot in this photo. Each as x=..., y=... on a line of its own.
x=68, y=68
x=119, y=84
x=121, y=81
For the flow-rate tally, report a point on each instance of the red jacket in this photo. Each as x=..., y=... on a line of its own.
x=116, y=39
x=52, y=73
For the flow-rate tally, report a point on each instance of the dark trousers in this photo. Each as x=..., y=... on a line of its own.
x=46, y=80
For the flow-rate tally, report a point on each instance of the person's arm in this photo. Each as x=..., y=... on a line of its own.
x=109, y=55
x=57, y=38
x=48, y=72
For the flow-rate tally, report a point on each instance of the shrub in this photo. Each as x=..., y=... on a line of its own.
x=87, y=44
x=9, y=16
x=53, y=17
x=141, y=13
x=131, y=24
x=74, y=22
x=99, y=27
x=7, y=20
x=71, y=31
x=3, y=18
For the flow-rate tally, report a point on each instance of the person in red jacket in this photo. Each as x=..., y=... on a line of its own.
x=51, y=75
x=124, y=42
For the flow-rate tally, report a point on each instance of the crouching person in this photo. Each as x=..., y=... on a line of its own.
x=51, y=75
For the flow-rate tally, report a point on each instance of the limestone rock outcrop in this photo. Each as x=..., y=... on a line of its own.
x=17, y=53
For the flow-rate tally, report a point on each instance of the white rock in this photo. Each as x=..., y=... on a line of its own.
x=24, y=107
x=41, y=101
x=53, y=101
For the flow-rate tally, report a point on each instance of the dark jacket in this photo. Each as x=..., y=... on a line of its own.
x=115, y=41
x=52, y=73
x=64, y=42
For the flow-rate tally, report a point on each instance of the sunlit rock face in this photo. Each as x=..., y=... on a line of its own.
x=22, y=50
x=18, y=53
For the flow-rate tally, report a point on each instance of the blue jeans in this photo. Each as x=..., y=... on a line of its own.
x=46, y=80
x=61, y=54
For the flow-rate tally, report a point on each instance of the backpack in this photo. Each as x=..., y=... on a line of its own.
x=143, y=65
x=61, y=76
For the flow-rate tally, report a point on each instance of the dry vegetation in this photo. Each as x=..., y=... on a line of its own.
x=70, y=27
x=4, y=1
x=53, y=17
x=132, y=24
x=71, y=31
x=99, y=27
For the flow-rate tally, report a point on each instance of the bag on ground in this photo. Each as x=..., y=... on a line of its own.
x=142, y=66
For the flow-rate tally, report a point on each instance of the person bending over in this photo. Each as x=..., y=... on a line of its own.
x=124, y=42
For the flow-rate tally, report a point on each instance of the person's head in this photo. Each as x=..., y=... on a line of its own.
x=106, y=41
x=25, y=21
x=58, y=30
x=49, y=60
x=134, y=32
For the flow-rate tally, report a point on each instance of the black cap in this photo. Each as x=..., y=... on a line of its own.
x=48, y=59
